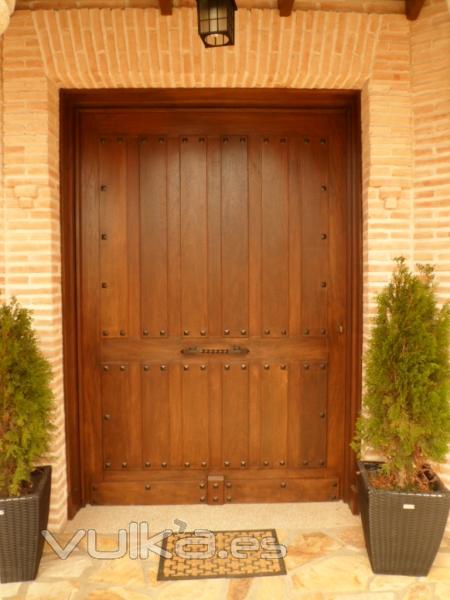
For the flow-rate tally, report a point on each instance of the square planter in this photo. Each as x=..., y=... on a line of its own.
x=21, y=521
x=402, y=530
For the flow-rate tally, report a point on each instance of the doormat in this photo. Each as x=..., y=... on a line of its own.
x=207, y=554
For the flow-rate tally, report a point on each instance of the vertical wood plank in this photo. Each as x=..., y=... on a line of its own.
x=215, y=327
x=174, y=236
x=254, y=412
x=113, y=249
x=173, y=373
x=295, y=228
x=194, y=260
x=215, y=415
x=115, y=388
x=154, y=243
x=156, y=423
x=294, y=400
x=255, y=235
x=314, y=237
x=133, y=406
x=235, y=235
x=338, y=301
x=274, y=413
x=313, y=426
x=235, y=414
x=195, y=389
x=89, y=317
x=133, y=222
x=275, y=242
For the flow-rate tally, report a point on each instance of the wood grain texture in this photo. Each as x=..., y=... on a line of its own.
x=236, y=239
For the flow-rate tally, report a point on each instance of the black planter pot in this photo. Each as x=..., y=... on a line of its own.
x=402, y=530
x=21, y=521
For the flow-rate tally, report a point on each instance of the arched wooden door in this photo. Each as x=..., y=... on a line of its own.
x=213, y=304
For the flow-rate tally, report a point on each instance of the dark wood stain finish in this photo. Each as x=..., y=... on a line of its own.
x=210, y=219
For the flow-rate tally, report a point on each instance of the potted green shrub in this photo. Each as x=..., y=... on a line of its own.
x=406, y=421
x=26, y=407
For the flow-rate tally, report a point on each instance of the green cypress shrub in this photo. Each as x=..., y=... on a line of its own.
x=406, y=409
x=26, y=400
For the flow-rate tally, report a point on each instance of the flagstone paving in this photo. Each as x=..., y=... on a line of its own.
x=321, y=565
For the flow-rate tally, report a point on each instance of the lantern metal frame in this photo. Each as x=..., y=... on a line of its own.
x=216, y=22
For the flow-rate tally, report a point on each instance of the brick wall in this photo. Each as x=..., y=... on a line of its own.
x=430, y=54
x=92, y=48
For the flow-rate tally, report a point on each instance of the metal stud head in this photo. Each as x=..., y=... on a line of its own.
x=306, y=366
x=148, y=486
x=266, y=463
x=202, y=367
x=145, y=332
x=323, y=188
x=202, y=332
x=283, y=484
x=266, y=331
x=204, y=464
x=123, y=368
x=104, y=236
x=306, y=332
x=228, y=498
x=164, y=465
x=284, y=332
x=228, y=484
x=323, y=236
x=323, y=284
x=163, y=367
x=266, y=367
x=124, y=465
x=105, y=368
x=187, y=464
x=202, y=498
x=202, y=485
x=147, y=464
x=162, y=332
x=146, y=367
x=226, y=332
x=186, y=332
x=227, y=367
x=243, y=332
x=226, y=463
x=122, y=333
x=282, y=463
x=107, y=417
x=243, y=463
x=283, y=367
x=107, y=465
x=243, y=367
x=186, y=367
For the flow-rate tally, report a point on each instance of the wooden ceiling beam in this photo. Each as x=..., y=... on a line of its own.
x=165, y=7
x=285, y=7
x=413, y=8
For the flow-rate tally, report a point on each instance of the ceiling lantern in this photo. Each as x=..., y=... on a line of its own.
x=216, y=22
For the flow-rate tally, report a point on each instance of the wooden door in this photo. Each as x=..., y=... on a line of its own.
x=213, y=304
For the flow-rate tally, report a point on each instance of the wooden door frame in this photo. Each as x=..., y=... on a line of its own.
x=72, y=104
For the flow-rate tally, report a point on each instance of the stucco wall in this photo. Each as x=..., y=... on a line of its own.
x=91, y=48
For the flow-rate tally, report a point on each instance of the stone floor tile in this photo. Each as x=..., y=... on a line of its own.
x=269, y=588
x=419, y=591
x=115, y=593
x=363, y=596
x=121, y=571
x=238, y=589
x=352, y=537
x=442, y=590
x=336, y=574
x=390, y=583
x=72, y=568
x=9, y=590
x=439, y=575
x=205, y=589
x=309, y=546
x=56, y=590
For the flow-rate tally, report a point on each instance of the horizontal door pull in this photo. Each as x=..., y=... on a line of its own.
x=194, y=350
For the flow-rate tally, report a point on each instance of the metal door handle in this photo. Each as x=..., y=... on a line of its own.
x=235, y=350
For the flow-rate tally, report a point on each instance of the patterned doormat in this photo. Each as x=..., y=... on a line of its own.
x=212, y=554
